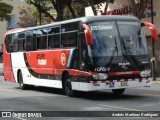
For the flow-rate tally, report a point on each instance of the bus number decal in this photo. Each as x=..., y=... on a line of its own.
x=41, y=59
x=42, y=62
x=63, y=59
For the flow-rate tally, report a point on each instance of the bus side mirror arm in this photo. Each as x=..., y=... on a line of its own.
x=153, y=30
x=88, y=34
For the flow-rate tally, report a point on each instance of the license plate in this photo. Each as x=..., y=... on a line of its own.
x=111, y=85
x=124, y=83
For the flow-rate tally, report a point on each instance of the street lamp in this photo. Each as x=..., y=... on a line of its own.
x=153, y=48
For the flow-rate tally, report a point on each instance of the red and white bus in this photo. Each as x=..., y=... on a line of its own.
x=83, y=54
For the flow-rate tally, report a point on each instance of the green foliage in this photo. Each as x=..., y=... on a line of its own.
x=78, y=7
x=102, y=1
x=29, y=16
x=136, y=12
x=66, y=9
x=5, y=11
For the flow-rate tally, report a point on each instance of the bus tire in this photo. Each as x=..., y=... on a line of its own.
x=68, y=86
x=20, y=81
x=118, y=91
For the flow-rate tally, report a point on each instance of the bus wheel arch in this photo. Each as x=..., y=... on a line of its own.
x=66, y=84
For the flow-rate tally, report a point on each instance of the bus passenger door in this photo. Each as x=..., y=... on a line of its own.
x=82, y=51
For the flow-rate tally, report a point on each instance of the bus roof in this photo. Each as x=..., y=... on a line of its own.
x=82, y=19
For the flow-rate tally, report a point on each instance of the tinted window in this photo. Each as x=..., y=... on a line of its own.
x=72, y=39
x=21, y=44
x=69, y=39
x=70, y=27
x=7, y=42
x=42, y=42
x=21, y=35
x=14, y=43
x=21, y=41
x=29, y=39
x=54, y=30
x=54, y=41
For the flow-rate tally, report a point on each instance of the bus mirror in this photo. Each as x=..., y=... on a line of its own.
x=153, y=30
x=88, y=34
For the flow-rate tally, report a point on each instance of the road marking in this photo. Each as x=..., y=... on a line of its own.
x=120, y=107
x=9, y=90
x=155, y=95
x=20, y=118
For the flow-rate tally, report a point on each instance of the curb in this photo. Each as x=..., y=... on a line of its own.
x=156, y=82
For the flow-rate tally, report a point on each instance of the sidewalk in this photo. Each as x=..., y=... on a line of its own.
x=157, y=80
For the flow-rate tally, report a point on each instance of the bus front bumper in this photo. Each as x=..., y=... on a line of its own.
x=111, y=84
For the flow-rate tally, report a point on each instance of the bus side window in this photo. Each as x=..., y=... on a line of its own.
x=41, y=39
x=70, y=26
x=21, y=44
x=54, y=41
x=34, y=42
x=42, y=42
x=14, y=43
x=7, y=42
x=72, y=39
x=29, y=40
x=69, y=39
x=54, y=30
x=21, y=41
x=64, y=39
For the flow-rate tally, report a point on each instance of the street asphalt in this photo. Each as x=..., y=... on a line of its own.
x=42, y=99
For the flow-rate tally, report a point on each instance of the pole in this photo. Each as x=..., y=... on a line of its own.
x=153, y=48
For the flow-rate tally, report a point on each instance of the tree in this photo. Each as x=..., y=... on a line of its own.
x=58, y=5
x=29, y=17
x=78, y=7
x=138, y=12
x=66, y=9
x=5, y=10
x=99, y=3
x=41, y=6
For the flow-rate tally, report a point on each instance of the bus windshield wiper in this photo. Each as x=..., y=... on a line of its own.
x=116, y=48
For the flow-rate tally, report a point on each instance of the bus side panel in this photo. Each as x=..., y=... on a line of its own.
x=49, y=62
x=8, y=73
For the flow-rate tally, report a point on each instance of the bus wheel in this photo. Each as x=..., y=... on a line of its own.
x=118, y=91
x=68, y=86
x=21, y=84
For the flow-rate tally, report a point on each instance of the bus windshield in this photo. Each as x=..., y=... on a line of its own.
x=115, y=41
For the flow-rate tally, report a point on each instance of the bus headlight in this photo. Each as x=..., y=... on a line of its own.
x=145, y=73
x=95, y=77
